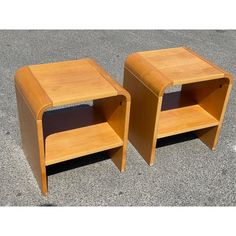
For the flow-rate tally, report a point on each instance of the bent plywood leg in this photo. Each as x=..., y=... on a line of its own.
x=118, y=156
x=116, y=111
x=143, y=117
x=209, y=136
x=213, y=96
x=32, y=141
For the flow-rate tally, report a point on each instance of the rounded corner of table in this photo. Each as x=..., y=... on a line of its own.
x=20, y=72
x=130, y=58
x=34, y=95
x=229, y=77
x=126, y=95
x=121, y=91
x=147, y=74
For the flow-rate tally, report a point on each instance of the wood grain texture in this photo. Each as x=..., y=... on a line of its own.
x=32, y=141
x=56, y=136
x=199, y=107
x=227, y=75
x=181, y=66
x=72, y=82
x=116, y=111
x=120, y=90
x=79, y=142
x=212, y=96
x=136, y=65
x=143, y=116
x=34, y=95
x=184, y=119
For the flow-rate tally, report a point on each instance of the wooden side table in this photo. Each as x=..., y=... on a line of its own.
x=199, y=106
x=50, y=137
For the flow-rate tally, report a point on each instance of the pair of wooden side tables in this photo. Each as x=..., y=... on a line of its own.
x=50, y=137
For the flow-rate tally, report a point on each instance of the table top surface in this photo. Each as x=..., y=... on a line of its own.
x=181, y=65
x=72, y=81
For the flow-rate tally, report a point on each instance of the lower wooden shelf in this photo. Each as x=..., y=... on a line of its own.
x=151, y=77
x=184, y=119
x=74, y=132
x=83, y=141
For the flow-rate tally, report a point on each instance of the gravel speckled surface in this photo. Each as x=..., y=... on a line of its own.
x=185, y=173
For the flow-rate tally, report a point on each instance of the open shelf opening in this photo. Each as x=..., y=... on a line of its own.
x=181, y=113
x=71, y=132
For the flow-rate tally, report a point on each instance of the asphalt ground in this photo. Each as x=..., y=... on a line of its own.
x=186, y=172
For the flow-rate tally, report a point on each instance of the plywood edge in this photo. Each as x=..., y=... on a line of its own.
x=229, y=76
x=44, y=187
x=30, y=89
x=147, y=74
x=120, y=90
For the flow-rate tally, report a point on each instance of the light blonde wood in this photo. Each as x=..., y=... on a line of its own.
x=72, y=118
x=185, y=119
x=116, y=111
x=200, y=105
x=32, y=141
x=33, y=94
x=180, y=66
x=72, y=82
x=153, y=79
x=79, y=142
x=213, y=96
x=120, y=90
x=72, y=132
x=227, y=75
x=143, y=116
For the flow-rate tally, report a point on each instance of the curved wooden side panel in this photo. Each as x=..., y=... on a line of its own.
x=147, y=74
x=144, y=115
x=32, y=141
x=35, y=96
